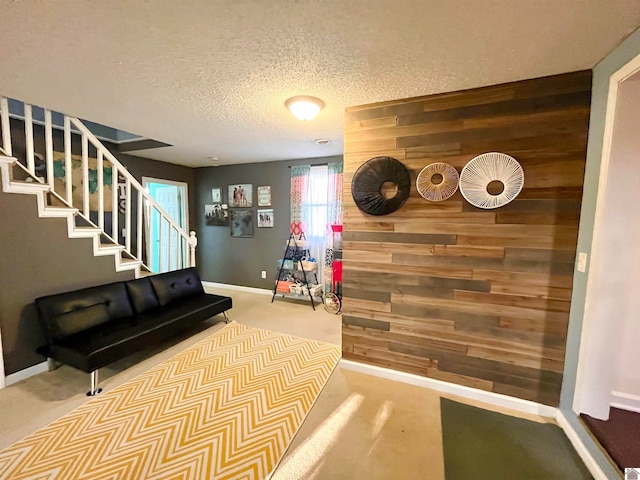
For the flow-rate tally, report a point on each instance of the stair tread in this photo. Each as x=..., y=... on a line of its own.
x=130, y=261
x=111, y=247
x=29, y=185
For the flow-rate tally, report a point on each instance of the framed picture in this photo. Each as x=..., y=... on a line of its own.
x=241, y=223
x=264, y=196
x=216, y=195
x=216, y=215
x=265, y=218
x=241, y=195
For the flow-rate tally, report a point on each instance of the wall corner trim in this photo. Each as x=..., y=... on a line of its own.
x=240, y=288
x=579, y=446
x=497, y=399
x=26, y=373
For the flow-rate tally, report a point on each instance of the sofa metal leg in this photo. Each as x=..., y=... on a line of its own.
x=226, y=317
x=51, y=364
x=94, y=385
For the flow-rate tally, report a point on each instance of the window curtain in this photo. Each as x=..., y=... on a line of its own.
x=316, y=200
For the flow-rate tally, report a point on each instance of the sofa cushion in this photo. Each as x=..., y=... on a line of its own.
x=176, y=285
x=78, y=320
x=142, y=295
x=113, y=296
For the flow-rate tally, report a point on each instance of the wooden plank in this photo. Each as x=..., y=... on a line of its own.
x=457, y=317
x=539, y=218
x=371, y=257
x=421, y=323
x=367, y=134
x=469, y=251
x=495, y=230
x=366, y=291
x=550, y=329
x=488, y=308
x=380, y=353
x=560, y=281
x=365, y=322
x=391, y=109
x=372, y=290
x=358, y=125
x=367, y=304
x=441, y=261
x=542, y=291
x=513, y=300
x=385, y=362
x=351, y=235
x=548, y=242
x=540, y=255
x=495, y=371
x=409, y=270
x=547, y=337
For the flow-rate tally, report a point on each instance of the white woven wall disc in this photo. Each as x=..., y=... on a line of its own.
x=486, y=168
x=440, y=191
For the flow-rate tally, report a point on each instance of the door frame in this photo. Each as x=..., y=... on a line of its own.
x=185, y=206
x=591, y=323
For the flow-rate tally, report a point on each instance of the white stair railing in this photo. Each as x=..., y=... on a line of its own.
x=129, y=199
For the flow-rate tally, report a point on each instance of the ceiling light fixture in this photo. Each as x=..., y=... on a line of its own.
x=304, y=107
x=323, y=141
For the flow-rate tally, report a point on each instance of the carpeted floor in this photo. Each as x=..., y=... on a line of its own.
x=619, y=436
x=225, y=408
x=487, y=445
x=360, y=428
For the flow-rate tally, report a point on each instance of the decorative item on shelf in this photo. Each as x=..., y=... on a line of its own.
x=284, y=286
x=437, y=182
x=264, y=196
x=241, y=195
x=371, y=181
x=265, y=218
x=478, y=175
x=308, y=264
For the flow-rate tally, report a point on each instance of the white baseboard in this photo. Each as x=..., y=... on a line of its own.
x=26, y=373
x=580, y=447
x=625, y=401
x=240, y=288
x=491, y=398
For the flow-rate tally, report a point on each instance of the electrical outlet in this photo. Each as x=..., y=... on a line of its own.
x=264, y=274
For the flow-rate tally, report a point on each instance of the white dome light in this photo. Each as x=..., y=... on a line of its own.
x=303, y=107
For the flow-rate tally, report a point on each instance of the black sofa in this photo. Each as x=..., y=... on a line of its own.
x=90, y=328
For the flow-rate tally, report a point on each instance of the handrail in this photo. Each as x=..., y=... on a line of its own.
x=186, y=241
x=125, y=173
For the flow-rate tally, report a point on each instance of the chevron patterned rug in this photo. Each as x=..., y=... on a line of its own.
x=226, y=408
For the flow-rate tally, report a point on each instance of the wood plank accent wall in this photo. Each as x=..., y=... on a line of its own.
x=452, y=292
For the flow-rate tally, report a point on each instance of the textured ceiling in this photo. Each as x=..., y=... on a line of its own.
x=210, y=77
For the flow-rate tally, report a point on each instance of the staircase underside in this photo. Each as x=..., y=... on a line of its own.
x=16, y=179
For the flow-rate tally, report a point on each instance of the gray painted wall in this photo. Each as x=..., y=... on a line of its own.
x=39, y=259
x=601, y=74
x=239, y=261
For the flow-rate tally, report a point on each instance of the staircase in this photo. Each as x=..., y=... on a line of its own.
x=92, y=190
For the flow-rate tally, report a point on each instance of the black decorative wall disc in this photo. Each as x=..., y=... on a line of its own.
x=366, y=186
